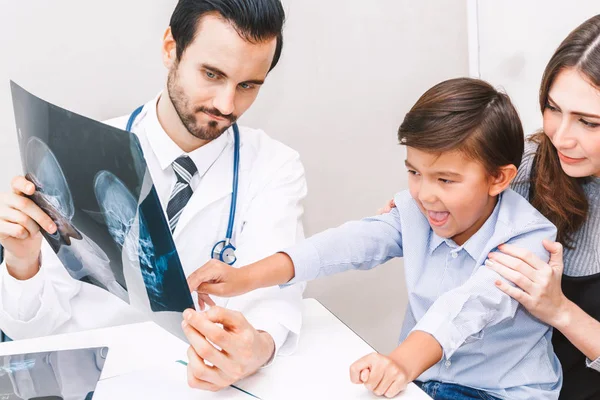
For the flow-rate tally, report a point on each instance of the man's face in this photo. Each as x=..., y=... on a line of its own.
x=218, y=77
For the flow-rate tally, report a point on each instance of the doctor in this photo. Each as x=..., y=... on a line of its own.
x=218, y=54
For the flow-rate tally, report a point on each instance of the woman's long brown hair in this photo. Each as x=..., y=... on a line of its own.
x=556, y=195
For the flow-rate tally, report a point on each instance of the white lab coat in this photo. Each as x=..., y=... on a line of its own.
x=272, y=187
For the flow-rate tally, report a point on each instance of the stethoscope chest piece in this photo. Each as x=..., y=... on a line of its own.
x=224, y=251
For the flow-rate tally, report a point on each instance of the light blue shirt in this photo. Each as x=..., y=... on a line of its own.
x=489, y=341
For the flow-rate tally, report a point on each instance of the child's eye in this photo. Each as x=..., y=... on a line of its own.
x=445, y=180
x=588, y=123
x=413, y=172
x=551, y=107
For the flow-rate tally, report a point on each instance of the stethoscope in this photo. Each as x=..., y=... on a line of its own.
x=223, y=251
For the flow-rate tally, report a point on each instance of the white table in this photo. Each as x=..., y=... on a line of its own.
x=142, y=363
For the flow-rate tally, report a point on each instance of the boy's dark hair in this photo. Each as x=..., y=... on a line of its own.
x=467, y=115
x=255, y=20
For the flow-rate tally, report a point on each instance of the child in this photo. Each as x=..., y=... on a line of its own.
x=461, y=337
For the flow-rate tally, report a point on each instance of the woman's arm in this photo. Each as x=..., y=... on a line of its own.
x=539, y=291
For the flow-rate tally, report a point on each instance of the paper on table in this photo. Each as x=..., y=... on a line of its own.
x=167, y=382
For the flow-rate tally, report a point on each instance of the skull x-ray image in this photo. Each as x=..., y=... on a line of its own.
x=92, y=180
x=53, y=375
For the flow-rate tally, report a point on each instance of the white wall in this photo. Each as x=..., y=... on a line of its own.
x=350, y=71
x=517, y=39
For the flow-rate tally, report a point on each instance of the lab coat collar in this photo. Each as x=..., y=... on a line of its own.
x=167, y=151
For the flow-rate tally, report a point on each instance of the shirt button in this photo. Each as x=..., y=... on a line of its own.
x=448, y=363
x=454, y=255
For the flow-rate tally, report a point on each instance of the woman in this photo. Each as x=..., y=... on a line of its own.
x=560, y=176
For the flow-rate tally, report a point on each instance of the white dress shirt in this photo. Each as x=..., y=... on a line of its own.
x=268, y=217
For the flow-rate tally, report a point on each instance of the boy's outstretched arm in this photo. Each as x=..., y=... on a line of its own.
x=360, y=244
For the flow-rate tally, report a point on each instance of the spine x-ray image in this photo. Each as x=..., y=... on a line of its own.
x=92, y=180
x=54, y=375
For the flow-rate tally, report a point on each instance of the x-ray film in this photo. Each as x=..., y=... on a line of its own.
x=92, y=180
x=52, y=375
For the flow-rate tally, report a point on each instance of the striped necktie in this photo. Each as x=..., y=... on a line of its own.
x=184, y=169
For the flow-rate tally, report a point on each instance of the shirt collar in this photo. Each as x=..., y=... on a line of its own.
x=167, y=151
x=476, y=243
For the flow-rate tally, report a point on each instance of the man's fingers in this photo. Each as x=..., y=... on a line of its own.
x=10, y=230
x=29, y=208
x=20, y=185
x=202, y=376
x=17, y=217
x=209, y=329
x=227, y=318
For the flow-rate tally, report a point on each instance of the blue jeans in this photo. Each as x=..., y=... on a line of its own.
x=450, y=391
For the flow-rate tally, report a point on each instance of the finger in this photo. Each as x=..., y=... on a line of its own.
x=389, y=376
x=514, y=292
x=205, y=375
x=205, y=273
x=206, y=299
x=357, y=370
x=375, y=377
x=230, y=319
x=17, y=217
x=209, y=329
x=10, y=230
x=29, y=208
x=205, y=351
x=522, y=254
x=516, y=264
x=196, y=383
x=364, y=375
x=556, y=255
x=395, y=388
x=515, y=277
x=20, y=185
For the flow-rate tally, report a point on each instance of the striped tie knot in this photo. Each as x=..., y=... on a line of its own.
x=184, y=169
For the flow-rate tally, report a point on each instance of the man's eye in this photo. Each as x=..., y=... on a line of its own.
x=211, y=75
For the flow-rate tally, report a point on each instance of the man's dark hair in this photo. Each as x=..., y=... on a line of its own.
x=255, y=20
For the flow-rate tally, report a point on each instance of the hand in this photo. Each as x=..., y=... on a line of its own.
x=380, y=374
x=539, y=283
x=20, y=221
x=387, y=208
x=243, y=349
x=219, y=279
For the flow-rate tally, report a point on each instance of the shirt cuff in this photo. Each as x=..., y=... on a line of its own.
x=593, y=364
x=306, y=262
x=449, y=335
x=21, y=298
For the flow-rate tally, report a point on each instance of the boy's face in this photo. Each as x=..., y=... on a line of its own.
x=452, y=191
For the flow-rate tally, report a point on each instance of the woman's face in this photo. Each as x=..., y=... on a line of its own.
x=572, y=122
